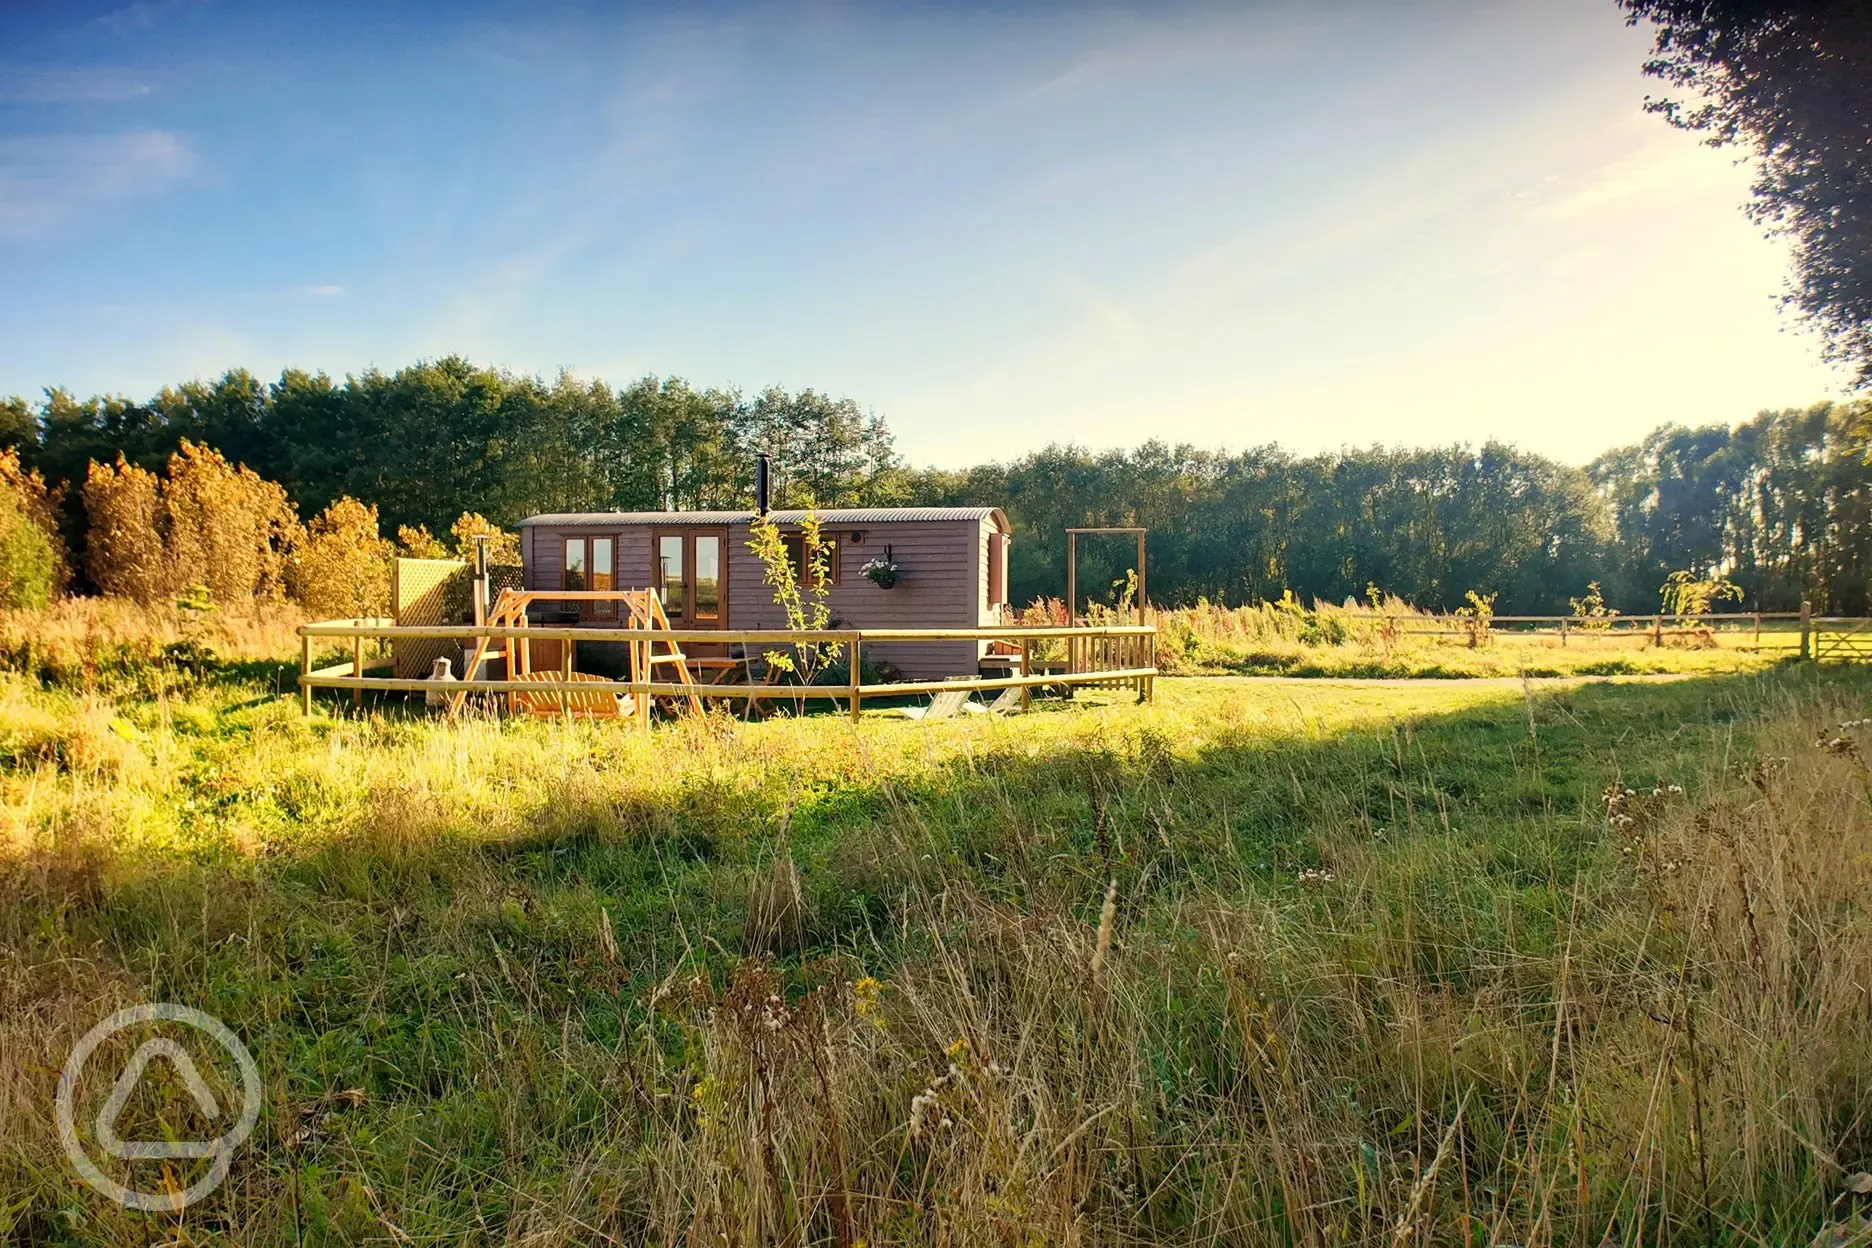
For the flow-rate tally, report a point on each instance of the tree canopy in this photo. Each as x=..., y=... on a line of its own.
x=1792, y=80
x=1781, y=505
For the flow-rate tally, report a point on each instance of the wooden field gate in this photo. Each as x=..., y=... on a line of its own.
x=1846, y=640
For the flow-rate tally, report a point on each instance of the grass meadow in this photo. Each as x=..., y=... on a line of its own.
x=1283, y=962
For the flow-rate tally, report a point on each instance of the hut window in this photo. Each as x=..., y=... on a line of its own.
x=574, y=564
x=796, y=543
x=997, y=569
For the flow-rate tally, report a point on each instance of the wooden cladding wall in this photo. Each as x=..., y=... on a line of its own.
x=934, y=591
x=943, y=583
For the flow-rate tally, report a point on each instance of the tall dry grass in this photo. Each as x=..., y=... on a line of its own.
x=1687, y=1063
x=1642, y=1025
x=89, y=642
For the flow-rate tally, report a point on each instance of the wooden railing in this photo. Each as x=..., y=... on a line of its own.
x=1123, y=656
x=1655, y=627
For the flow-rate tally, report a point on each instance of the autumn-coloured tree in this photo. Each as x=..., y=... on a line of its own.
x=503, y=548
x=417, y=542
x=207, y=522
x=342, y=567
x=228, y=528
x=124, y=548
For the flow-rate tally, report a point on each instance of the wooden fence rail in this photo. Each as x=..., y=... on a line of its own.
x=1119, y=657
x=1656, y=627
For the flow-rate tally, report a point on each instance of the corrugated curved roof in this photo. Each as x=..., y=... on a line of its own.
x=829, y=515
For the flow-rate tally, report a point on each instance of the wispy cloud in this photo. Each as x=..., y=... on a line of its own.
x=49, y=181
x=143, y=15
x=1656, y=169
x=320, y=290
x=74, y=84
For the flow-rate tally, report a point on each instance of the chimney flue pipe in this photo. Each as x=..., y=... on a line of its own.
x=760, y=484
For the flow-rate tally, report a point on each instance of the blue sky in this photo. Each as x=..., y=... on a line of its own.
x=996, y=225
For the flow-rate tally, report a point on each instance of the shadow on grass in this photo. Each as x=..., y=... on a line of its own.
x=1193, y=799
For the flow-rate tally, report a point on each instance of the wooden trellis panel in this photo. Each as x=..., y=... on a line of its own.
x=426, y=592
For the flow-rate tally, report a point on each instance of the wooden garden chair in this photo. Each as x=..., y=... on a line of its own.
x=945, y=705
x=1009, y=703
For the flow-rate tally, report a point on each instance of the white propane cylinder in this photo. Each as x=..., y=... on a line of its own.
x=442, y=672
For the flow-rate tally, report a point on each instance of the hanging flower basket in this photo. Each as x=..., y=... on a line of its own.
x=881, y=572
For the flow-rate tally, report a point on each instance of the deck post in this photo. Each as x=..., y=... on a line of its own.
x=641, y=661
x=305, y=672
x=1806, y=650
x=1151, y=681
x=1143, y=598
x=1072, y=578
x=855, y=676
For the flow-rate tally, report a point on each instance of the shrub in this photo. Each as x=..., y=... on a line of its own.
x=39, y=505
x=28, y=564
x=1685, y=593
x=342, y=568
x=1478, y=618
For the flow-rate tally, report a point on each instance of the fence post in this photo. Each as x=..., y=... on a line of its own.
x=1758, y=632
x=305, y=671
x=1657, y=632
x=357, y=665
x=855, y=677
x=1806, y=650
x=1026, y=671
x=1150, y=682
x=1072, y=577
x=1563, y=632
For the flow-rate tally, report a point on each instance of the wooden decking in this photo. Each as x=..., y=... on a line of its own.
x=1115, y=657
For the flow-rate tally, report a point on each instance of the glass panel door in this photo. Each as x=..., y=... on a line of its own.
x=574, y=564
x=603, y=575
x=707, y=590
x=671, y=578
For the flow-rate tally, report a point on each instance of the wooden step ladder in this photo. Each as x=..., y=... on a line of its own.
x=646, y=613
x=509, y=611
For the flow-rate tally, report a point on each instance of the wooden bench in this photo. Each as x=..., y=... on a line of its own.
x=559, y=698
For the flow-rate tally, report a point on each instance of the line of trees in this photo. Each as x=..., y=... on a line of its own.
x=1781, y=505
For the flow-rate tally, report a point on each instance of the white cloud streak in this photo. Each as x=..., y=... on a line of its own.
x=72, y=84
x=49, y=181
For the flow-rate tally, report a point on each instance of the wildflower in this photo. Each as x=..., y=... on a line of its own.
x=1315, y=877
x=865, y=994
x=1107, y=913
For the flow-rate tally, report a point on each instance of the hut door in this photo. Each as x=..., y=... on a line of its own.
x=689, y=577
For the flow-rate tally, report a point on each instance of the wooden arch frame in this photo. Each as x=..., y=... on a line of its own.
x=1072, y=570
